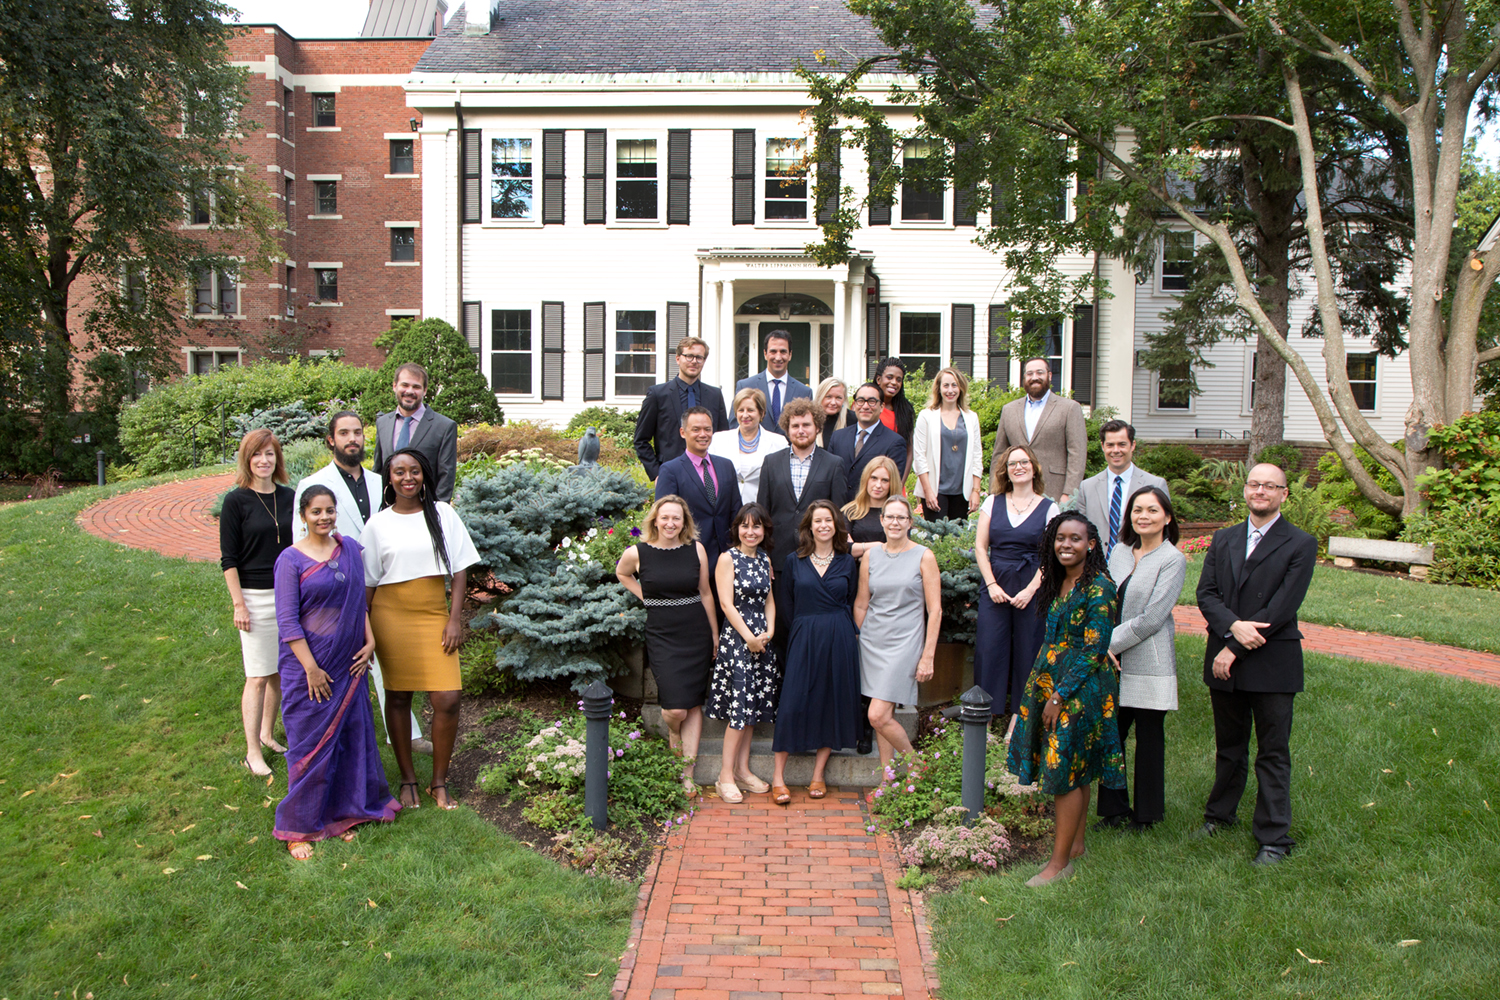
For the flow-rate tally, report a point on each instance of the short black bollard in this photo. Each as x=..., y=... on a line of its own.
x=99, y=460
x=975, y=715
x=597, y=701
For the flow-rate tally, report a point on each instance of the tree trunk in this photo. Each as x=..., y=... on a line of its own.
x=1275, y=208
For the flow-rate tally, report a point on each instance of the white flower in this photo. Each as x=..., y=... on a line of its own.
x=567, y=541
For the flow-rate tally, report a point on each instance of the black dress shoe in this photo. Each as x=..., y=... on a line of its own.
x=1270, y=854
x=1208, y=829
x=864, y=746
x=1111, y=822
x=1136, y=826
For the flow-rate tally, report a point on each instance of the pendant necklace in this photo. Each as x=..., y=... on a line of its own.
x=273, y=511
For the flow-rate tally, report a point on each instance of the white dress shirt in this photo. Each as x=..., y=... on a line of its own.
x=1034, y=408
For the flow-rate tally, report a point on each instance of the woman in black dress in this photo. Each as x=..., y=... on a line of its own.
x=897, y=412
x=668, y=571
x=820, y=693
x=863, y=512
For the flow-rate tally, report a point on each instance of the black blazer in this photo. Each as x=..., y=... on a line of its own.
x=658, y=429
x=827, y=480
x=680, y=477
x=1269, y=587
x=882, y=441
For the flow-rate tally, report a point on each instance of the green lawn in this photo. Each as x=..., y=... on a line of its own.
x=137, y=855
x=1396, y=808
x=1392, y=605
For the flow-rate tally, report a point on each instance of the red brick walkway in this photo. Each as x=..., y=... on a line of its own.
x=758, y=902
x=171, y=518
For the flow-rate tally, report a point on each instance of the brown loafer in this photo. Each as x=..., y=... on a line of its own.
x=816, y=790
x=780, y=794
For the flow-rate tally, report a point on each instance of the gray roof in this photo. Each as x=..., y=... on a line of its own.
x=400, y=18
x=652, y=36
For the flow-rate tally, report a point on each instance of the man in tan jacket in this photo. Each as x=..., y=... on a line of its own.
x=1052, y=426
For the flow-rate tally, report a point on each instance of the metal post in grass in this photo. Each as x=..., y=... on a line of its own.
x=597, y=700
x=99, y=461
x=974, y=713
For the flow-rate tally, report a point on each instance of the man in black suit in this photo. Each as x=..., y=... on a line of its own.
x=790, y=480
x=1255, y=576
x=867, y=437
x=658, y=429
x=416, y=425
x=707, y=482
x=775, y=382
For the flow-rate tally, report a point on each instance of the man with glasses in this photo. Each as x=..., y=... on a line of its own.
x=868, y=437
x=658, y=429
x=1052, y=426
x=1255, y=575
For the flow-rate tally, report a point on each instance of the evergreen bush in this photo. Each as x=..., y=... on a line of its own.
x=1169, y=461
x=952, y=543
x=612, y=425
x=293, y=422
x=455, y=386
x=1286, y=457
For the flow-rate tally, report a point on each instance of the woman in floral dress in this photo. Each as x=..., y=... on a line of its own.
x=747, y=676
x=1066, y=736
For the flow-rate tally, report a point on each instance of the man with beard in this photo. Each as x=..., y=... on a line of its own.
x=1053, y=427
x=413, y=424
x=356, y=495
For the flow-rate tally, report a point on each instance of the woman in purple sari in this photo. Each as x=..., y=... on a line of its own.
x=335, y=779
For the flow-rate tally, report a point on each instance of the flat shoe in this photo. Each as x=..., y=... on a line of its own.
x=728, y=792
x=1037, y=880
x=690, y=787
x=416, y=800
x=451, y=804
x=306, y=849
x=273, y=746
x=816, y=789
x=750, y=783
x=245, y=763
x=780, y=794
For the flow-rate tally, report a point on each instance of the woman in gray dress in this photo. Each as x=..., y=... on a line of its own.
x=898, y=610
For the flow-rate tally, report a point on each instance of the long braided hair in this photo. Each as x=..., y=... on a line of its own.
x=429, y=500
x=1053, y=571
x=906, y=416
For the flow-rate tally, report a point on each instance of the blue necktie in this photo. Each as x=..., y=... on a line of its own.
x=1114, y=516
x=404, y=438
x=776, y=400
x=692, y=396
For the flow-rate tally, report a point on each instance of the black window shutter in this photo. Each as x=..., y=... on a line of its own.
x=877, y=336
x=553, y=175
x=1083, y=355
x=552, y=350
x=828, y=173
x=964, y=212
x=880, y=208
x=471, y=198
x=679, y=175
x=999, y=368
x=677, y=328
x=471, y=325
x=963, y=339
x=593, y=192
x=593, y=350
x=744, y=177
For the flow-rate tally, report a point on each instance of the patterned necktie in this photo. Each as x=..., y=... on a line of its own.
x=403, y=439
x=1255, y=537
x=708, y=483
x=859, y=445
x=1114, y=516
x=776, y=399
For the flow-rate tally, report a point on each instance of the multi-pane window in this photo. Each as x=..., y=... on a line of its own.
x=635, y=351
x=921, y=342
x=921, y=196
x=207, y=362
x=1176, y=260
x=201, y=211
x=215, y=293
x=511, y=193
x=510, y=351
x=133, y=287
x=1173, y=386
x=403, y=243
x=1044, y=338
x=786, y=180
x=324, y=115
x=1361, y=371
x=327, y=281
x=635, y=180
x=286, y=113
x=328, y=197
x=403, y=156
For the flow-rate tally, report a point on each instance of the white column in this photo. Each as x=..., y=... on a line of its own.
x=726, y=339
x=840, y=321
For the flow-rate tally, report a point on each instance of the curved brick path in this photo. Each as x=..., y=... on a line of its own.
x=171, y=518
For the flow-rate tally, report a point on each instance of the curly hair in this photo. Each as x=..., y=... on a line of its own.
x=1053, y=571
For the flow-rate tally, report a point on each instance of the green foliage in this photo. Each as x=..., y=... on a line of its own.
x=1464, y=503
x=1303, y=508
x=484, y=464
x=293, y=422
x=913, y=880
x=157, y=431
x=1097, y=419
x=527, y=436
x=920, y=789
x=455, y=386
x=1356, y=516
x=611, y=423
x=952, y=543
x=476, y=660
x=1284, y=456
x=1470, y=447
x=1169, y=461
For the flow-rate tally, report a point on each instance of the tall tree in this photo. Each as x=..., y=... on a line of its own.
x=118, y=125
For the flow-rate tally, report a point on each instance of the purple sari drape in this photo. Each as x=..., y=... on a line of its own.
x=335, y=779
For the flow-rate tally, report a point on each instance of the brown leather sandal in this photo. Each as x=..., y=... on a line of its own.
x=816, y=789
x=781, y=795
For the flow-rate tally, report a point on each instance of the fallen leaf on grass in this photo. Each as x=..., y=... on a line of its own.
x=372, y=904
x=1409, y=942
x=1002, y=920
x=87, y=816
x=1434, y=730
x=188, y=827
x=1367, y=805
x=145, y=701
x=986, y=902
x=58, y=681
x=1311, y=961
x=84, y=697
x=267, y=804
x=253, y=839
x=231, y=808
x=168, y=871
x=29, y=791
x=1386, y=770
x=1066, y=964
x=209, y=788
x=1286, y=970
x=1450, y=761
x=387, y=956
x=241, y=884
x=141, y=846
x=1142, y=921
x=591, y=975
x=99, y=834
x=204, y=857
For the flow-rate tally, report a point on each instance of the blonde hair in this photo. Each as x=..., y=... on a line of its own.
x=1000, y=475
x=648, y=525
x=935, y=400
x=687, y=343
x=754, y=395
x=860, y=505
x=252, y=443
x=842, y=420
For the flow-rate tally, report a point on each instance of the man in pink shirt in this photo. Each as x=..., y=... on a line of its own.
x=707, y=482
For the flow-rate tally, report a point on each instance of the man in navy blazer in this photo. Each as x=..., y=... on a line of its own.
x=778, y=385
x=658, y=428
x=878, y=439
x=712, y=502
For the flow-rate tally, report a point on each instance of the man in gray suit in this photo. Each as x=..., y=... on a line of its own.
x=1103, y=496
x=411, y=424
x=777, y=384
x=1052, y=426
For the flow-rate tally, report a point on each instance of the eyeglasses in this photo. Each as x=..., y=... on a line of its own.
x=700, y=358
x=1021, y=464
x=866, y=400
x=895, y=517
x=1254, y=487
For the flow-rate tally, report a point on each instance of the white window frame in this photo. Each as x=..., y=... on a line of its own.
x=190, y=352
x=315, y=267
x=612, y=353
x=946, y=222
x=217, y=288
x=315, y=180
x=761, y=179
x=942, y=313
x=612, y=140
x=1161, y=260
x=487, y=348
x=486, y=176
x=1169, y=411
x=1373, y=411
x=125, y=270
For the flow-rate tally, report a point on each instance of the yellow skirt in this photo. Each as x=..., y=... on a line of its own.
x=408, y=620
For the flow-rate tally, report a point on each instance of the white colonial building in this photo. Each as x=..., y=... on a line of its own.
x=600, y=180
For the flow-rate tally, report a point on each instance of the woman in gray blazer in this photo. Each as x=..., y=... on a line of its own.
x=1148, y=570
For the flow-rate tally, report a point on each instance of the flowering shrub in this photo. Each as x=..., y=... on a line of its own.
x=1193, y=546
x=947, y=843
x=485, y=464
x=546, y=769
x=933, y=779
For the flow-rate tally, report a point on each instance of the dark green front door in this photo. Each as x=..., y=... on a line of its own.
x=801, y=334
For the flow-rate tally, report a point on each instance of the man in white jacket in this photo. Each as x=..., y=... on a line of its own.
x=356, y=494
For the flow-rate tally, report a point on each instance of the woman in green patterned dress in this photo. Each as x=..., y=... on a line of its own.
x=1066, y=736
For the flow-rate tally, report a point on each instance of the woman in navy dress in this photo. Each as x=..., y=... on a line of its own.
x=1007, y=546
x=820, y=693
